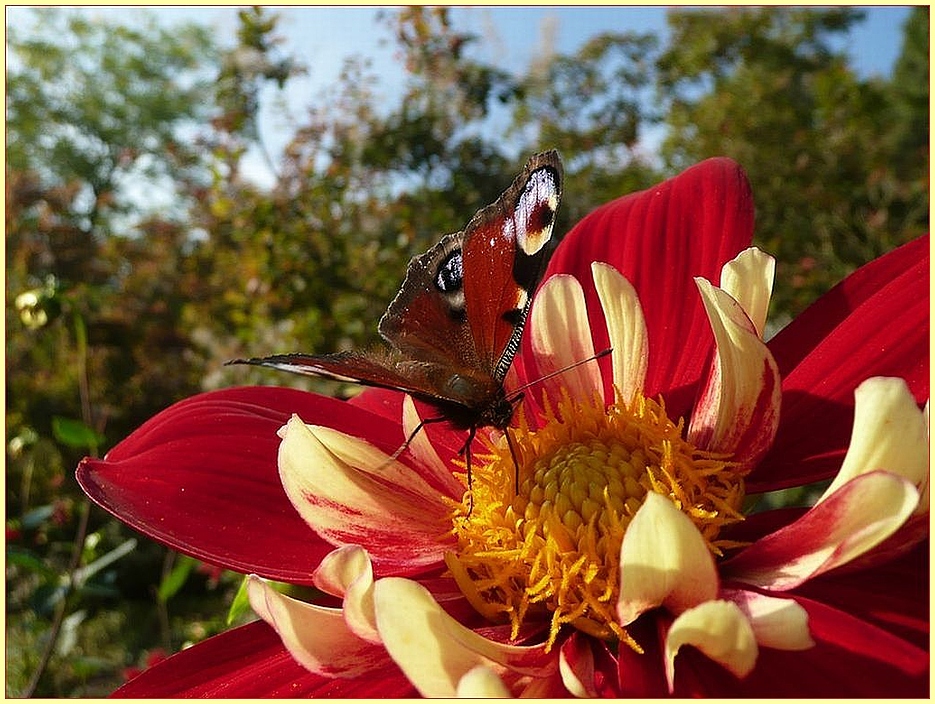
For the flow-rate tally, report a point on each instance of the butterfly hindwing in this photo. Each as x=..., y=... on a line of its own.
x=428, y=381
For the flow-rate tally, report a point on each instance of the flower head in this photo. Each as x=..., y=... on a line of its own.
x=604, y=545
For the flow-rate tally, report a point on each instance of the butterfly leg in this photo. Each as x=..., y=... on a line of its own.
x=509, y=443
x=466, y=451
x=422, y=423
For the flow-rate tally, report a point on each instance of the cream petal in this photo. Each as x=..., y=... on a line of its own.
x=748, y=279
x=890, y=433
x=317, y=637
x=348, y=573
x=626, y=328
x=856, y=518
x=435, y=651
x=350, y=493
x=483, y=683
x=777, y=622
x=718, y=629
x=561, y=337
x=664, y=561
x=738, y=411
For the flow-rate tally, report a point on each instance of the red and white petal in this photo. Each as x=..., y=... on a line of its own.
x=435, y=650
x=720, y=630
x=576, y=665
x=748, y=278
x=348, y=573
x=738, y=411
x=626, y=329
x=561, y=337
x=424, y=453
x=481, y=682
x=777, y=622
x=890, y=433
x=251, y=662
x=659, y=239
x=201, y=477
x=353, y=494
x=316, y=636
x=664, y=561
x=856, y=518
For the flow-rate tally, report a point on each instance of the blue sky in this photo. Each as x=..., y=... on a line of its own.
x=511, y=37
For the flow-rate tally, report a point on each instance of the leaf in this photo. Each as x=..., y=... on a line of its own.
x=76, y=434
x=240, y=605
x=176, y=578
x=29, y=561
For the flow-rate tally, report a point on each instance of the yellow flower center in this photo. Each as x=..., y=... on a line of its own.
x=552, y=549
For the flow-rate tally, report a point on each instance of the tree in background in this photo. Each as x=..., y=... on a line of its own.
x=826, y=152
x=99, y=120
x=132, y=307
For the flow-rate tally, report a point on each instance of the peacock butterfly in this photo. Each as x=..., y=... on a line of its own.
x=456, y=323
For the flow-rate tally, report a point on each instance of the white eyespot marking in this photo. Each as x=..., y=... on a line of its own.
x=535, y=212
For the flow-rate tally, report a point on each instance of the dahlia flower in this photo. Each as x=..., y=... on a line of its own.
x=619, y=549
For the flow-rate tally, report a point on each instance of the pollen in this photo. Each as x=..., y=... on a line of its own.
x=549, y=553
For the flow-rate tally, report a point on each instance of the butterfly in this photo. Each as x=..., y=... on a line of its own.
x=455, y=326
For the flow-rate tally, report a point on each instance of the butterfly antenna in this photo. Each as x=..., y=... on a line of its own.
x=518, y=391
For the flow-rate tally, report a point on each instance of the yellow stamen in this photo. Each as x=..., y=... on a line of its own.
x=552, y=550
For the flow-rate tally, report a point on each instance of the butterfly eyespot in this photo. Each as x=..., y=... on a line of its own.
x=450, y=275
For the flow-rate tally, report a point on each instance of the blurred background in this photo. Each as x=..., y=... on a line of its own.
x=190, y=185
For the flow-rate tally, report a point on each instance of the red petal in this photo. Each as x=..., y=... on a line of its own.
x=659, y=239
x=874, y=323
x=893, y=596
x=201, y=477
x=642, y=675
x=250, y=661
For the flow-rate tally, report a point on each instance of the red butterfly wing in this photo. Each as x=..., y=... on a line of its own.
x=505, y=255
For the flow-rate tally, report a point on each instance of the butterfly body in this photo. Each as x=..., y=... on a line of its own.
x=454, y=327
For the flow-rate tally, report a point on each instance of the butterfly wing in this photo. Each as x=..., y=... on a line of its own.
x=464, y=302
x=455, y=325
x=506, y=248
x=429, y=381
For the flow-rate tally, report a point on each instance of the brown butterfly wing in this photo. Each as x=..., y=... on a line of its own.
x=429, y=381
x=455, y=325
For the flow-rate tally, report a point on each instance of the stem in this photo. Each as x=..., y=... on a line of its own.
x=60, y=608
x=84, y=390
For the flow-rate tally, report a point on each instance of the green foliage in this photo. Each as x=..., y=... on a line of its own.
x=765, y=87
x=141, y=255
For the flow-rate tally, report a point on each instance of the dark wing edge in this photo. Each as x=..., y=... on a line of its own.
x=423, y=380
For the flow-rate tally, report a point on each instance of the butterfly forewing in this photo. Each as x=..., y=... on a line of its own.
x=466, y=299
x=505, y=256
